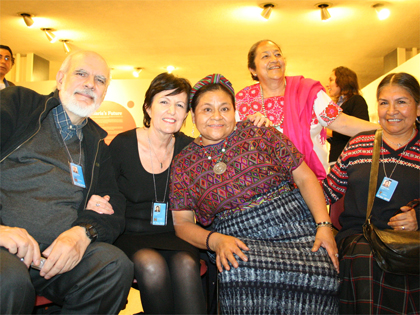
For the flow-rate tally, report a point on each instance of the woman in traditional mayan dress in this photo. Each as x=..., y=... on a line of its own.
x=297, y=106
x=271, y=230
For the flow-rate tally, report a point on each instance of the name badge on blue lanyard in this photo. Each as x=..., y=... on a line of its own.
x=387, y=189
x=76, y=172
x=159, y=213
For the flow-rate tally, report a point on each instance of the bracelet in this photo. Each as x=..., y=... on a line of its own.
x=326, y=223
x=207, y=240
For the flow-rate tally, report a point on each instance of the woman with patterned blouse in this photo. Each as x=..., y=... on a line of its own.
x=271, y=232
x=297, y=106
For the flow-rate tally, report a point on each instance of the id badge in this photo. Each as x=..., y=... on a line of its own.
x=76, y=172
x=387, y=189
x=159, y=213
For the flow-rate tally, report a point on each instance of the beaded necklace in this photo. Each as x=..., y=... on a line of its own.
x=219, y=167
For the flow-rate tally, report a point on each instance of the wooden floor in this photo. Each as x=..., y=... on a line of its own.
x=134, y=304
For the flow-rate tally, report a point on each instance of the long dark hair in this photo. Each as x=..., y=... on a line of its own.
x=164, y=82
x=346, y=80
x=405, y=80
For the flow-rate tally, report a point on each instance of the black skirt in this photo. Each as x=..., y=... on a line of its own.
x=131, y=243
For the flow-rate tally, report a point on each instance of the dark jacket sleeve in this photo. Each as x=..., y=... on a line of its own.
x=355, y=106
x=109, y=227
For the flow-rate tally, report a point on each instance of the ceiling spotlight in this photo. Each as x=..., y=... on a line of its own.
x=137, y=71
x=383, y=13
x=28, y=19
x=65, y=45
x=267, y=10
x=325, y=15
x=49, y=34
x=170, y=69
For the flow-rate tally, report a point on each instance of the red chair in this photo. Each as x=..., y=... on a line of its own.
x=335, y=211
x=203, y=267
x=41, y=300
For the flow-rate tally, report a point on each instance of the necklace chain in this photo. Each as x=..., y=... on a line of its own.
x=383, y=157
x=209, y=155
x=153, y=172
x=166, y=153
x=399, y=145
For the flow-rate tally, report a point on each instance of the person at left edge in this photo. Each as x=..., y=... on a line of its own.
x=6, y=63
x=43, y=207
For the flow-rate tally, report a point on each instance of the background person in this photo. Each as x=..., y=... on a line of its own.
x=42, y=211
x=343, y=88
x=298, y=107
x=239, y=178
x=398, y=106
x=6, y=63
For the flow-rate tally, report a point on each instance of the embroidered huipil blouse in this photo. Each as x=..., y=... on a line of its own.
x=301, y=96
x=257, y=159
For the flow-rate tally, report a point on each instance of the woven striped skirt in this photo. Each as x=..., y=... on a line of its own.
x=282, y=275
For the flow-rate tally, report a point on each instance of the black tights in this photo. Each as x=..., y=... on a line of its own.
x=169, y=282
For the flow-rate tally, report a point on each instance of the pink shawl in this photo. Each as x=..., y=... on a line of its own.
x=299, y=100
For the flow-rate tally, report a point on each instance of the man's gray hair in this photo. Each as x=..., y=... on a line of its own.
x=65, y=66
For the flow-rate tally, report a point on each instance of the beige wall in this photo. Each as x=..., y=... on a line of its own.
x=125, y=91
x=411, y=66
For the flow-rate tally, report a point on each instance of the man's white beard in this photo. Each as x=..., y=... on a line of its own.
x=71, y=104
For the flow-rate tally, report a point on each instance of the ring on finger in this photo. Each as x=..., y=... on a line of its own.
x=98, y=204
x=336, y=255
x=403, y=227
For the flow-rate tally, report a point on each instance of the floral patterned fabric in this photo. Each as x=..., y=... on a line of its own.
x=324, y=112
x=249, y=101
x=257, y=159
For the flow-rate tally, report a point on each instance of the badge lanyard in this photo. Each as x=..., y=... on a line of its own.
x=388, y=185
x=76, y=170
x=159, y=209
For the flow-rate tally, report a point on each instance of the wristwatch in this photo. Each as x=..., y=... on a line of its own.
x=90, y=231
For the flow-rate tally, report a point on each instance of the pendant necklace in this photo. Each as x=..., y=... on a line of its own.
x=220, y=166
x=151, y=147
x=153, y=174
x=399, y=145
x=383, y=158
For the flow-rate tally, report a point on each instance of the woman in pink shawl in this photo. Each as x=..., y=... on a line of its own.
x=297, y=106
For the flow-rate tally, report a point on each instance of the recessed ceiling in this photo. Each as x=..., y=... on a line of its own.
x=206, y=36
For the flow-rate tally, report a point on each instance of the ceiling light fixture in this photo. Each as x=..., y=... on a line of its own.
x=28, y=19
x=267, y=8
x=382, y=12
x=137, y=71
x=325, y=15
x=65, y=45
x=170, y=69
x=49, y=34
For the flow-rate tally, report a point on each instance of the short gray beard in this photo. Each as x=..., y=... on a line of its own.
x=71, y=104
